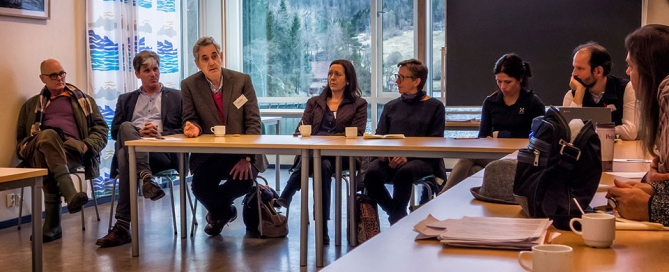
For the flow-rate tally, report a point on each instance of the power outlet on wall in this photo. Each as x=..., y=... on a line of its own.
x=13, y=200
x=10, y=200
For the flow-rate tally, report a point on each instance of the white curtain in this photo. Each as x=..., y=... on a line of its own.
x=117, y=31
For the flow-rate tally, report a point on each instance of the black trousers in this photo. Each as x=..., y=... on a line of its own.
x=215, y=196
x=294, y=183
x=379, y=173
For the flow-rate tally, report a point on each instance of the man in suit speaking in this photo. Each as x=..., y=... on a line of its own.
x=211, y=97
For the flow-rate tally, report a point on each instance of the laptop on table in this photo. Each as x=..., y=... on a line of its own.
x=596, y=114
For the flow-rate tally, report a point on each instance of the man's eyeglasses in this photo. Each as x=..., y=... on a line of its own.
x=401, y=77
x=55, y=76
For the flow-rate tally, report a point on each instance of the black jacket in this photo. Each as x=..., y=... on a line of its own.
x=511, y=121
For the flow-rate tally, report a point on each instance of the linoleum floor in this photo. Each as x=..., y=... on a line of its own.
x=160, y=250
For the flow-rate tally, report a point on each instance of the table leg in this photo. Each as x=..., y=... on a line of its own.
x=182, y=194
x=277, y=164
x=37, y=224
x=338, y=197
x=132, y=161
x=318, y=209
x=352, y=238
x=304, y=214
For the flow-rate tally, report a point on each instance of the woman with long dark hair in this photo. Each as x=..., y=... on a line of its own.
x=339, y=106
x=648, y=69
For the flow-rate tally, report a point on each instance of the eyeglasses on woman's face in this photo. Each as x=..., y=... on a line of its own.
x=400, y=78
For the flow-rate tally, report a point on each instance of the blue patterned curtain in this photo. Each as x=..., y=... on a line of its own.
x=117, y=30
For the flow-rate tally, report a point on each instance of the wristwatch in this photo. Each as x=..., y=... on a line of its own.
x=248, y=158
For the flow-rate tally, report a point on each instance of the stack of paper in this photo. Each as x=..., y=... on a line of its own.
x=488, y=232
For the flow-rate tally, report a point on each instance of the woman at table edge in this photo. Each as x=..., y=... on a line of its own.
x=648, y=69
x=339, y=105
x=506, y=113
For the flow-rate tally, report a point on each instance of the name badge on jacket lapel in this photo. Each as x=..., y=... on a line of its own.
x=240, y=101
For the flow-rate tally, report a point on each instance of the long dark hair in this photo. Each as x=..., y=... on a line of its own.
x=352, y=89
x=648, y=48
x=512, y=65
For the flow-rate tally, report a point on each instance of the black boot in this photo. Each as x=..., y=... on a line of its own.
x=75, y=200
x=51, y=229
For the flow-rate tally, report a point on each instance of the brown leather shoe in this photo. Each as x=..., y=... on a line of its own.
x=116, y=237
x=152, y=190
x=214, y=227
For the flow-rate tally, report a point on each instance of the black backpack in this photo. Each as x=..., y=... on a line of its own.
x=551, y=171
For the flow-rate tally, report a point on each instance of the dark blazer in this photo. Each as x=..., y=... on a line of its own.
x=170, y=111
x=352, y=112
x=170, y=115
x=200, y=109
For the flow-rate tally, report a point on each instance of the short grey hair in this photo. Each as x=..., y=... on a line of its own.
x=145, y=57
x=204, y=41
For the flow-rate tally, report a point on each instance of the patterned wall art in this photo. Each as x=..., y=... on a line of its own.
x=35, y=9
x=117, y=30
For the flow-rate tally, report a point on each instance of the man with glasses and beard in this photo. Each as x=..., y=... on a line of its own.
x=592, y=86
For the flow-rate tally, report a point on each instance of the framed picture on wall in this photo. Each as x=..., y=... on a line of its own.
x=37, y=9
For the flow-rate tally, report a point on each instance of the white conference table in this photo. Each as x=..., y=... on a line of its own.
x=230, y=144
x=425, y=147
x=395, y=249
x=13, y=178
x=330, y=146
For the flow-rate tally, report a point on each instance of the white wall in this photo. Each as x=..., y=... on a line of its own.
x=25, y=43
x=657, y=12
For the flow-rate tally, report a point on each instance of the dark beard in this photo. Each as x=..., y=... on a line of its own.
x=588, y=86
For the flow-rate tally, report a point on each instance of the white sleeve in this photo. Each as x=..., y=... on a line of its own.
x=628, y=129
x=568, y=100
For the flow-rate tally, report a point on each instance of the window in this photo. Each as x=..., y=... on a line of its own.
x=287, y=46
x=190, y=21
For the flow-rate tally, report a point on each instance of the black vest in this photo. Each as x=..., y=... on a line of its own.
x=613, y=97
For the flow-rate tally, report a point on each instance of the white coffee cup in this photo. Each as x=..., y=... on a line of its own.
x=305, y=130
x=607, y=136
x=351, y=132
x=551, y=258
x=218, y=130
x=598, y=229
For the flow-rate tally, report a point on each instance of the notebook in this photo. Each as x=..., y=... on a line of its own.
x=596, y=114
